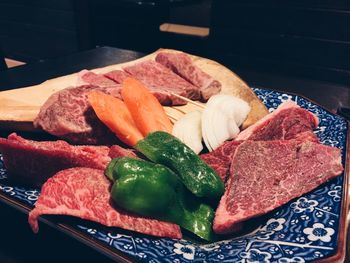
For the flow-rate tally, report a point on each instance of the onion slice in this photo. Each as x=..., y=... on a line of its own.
x=232, y=106
x=221, y=118
x=217, y=127
x=188, y=130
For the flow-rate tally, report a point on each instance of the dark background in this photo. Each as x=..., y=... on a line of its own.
x=306, y=38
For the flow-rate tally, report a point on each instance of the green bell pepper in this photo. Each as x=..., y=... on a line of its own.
x=196, y=175
x=154, y=190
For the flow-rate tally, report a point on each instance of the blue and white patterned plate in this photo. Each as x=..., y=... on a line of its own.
x=305, y=229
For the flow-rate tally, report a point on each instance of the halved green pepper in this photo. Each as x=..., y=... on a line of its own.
x=154, y=190
x=197, y=176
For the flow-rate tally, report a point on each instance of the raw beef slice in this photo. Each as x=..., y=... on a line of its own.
x=117, y=75
x=182, y=64
x=68, y=114
x=220, y=158
x=161, y=81
x=84, y=193
x=86, y=77
x=288, y=121
x=267, y=174
x=33, y=162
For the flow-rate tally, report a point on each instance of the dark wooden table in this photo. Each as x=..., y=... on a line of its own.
x=18, y=244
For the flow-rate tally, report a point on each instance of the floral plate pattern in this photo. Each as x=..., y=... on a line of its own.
x=305, y=229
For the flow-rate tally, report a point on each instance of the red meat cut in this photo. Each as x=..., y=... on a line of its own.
x=220, y=158
x=161, y=81
x=86, y=77
x=287, y=122
x=68, y=114
x=33, y=162
x=182, y=64
x=84, y=193
x=267, y=174
x=117, y=76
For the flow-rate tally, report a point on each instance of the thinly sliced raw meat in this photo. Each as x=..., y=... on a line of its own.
x=182, y=64
x=267, y=174
x=86, y=77
x=161, y=81
x=117, y=76
x=220, y=158
x=84, y=193
x=33, y=162
x=286, y=122
x=68, y=114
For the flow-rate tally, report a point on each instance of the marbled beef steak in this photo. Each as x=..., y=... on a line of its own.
x=161, y=81
x=33, y=162
x=267, y=174
x=220, y=159
x=182, y=64
x=68, y=114
x=117, y=76
x=84, y=193
x=288, y=121
x=86, y=77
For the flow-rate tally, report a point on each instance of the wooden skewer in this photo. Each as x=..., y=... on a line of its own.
x=179, y=110
x=188, y=100
x=172, y=117
x=172, y=120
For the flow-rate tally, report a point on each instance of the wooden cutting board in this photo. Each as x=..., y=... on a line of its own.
x=19, y=107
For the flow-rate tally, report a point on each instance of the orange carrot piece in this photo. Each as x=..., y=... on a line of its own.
x=116, y=116
x=145, y=109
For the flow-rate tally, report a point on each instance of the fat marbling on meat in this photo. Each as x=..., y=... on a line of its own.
x=69, y=115
x=267, y=174
x=288, y=121
x=182, y=64
x=33, y=162
x=161, y=81
x=85, y=193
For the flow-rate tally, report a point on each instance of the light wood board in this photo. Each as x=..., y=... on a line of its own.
x=19, y=107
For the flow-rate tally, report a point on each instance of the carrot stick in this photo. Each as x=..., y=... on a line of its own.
x=145, y=109
x=116, y=116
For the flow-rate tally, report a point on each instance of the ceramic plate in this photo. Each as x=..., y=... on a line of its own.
x=305, y=229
